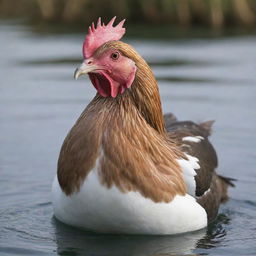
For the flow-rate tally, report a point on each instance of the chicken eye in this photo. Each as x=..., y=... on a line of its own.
x=115, y=55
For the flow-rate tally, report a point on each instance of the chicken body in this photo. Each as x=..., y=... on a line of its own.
x=121, y=169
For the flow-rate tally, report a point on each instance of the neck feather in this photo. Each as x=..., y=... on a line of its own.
x=145, y=95
x=144, y=90
x=112, y=136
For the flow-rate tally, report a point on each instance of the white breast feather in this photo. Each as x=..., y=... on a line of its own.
x=101, y=209
x=188, y=168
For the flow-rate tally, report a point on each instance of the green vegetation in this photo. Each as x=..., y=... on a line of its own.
x=214, y=13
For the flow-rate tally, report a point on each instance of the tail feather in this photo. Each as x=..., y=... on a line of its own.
x=225, y=183
x=207, y=126
x=228, y=180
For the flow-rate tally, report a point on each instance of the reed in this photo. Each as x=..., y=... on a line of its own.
x=214, y=13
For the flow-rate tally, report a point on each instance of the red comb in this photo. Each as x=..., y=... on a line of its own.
x=101, y=34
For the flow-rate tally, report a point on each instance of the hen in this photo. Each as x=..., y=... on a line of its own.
x=126, y=168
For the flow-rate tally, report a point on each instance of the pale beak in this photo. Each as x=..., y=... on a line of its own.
x=85, y=69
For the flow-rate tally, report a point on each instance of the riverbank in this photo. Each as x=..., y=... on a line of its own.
x=185, y=13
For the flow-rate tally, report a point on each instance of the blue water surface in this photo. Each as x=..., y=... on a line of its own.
x=199, y=79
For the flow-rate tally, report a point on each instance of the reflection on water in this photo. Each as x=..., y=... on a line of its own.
x=40, y=101
x=78, y=242
x=75, y=241
x=70, y=240
x=216, y=232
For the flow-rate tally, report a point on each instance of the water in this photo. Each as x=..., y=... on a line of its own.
x=199, y=79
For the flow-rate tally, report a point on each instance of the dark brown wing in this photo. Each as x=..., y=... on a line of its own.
x=211, y=189
x=215, y=195
x=202, y=149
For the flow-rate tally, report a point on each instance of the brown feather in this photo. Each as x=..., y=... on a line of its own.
x=132, y=155
x=128, y=136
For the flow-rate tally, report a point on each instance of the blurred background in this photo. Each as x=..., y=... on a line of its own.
x=214, y=13
x=203, y=54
